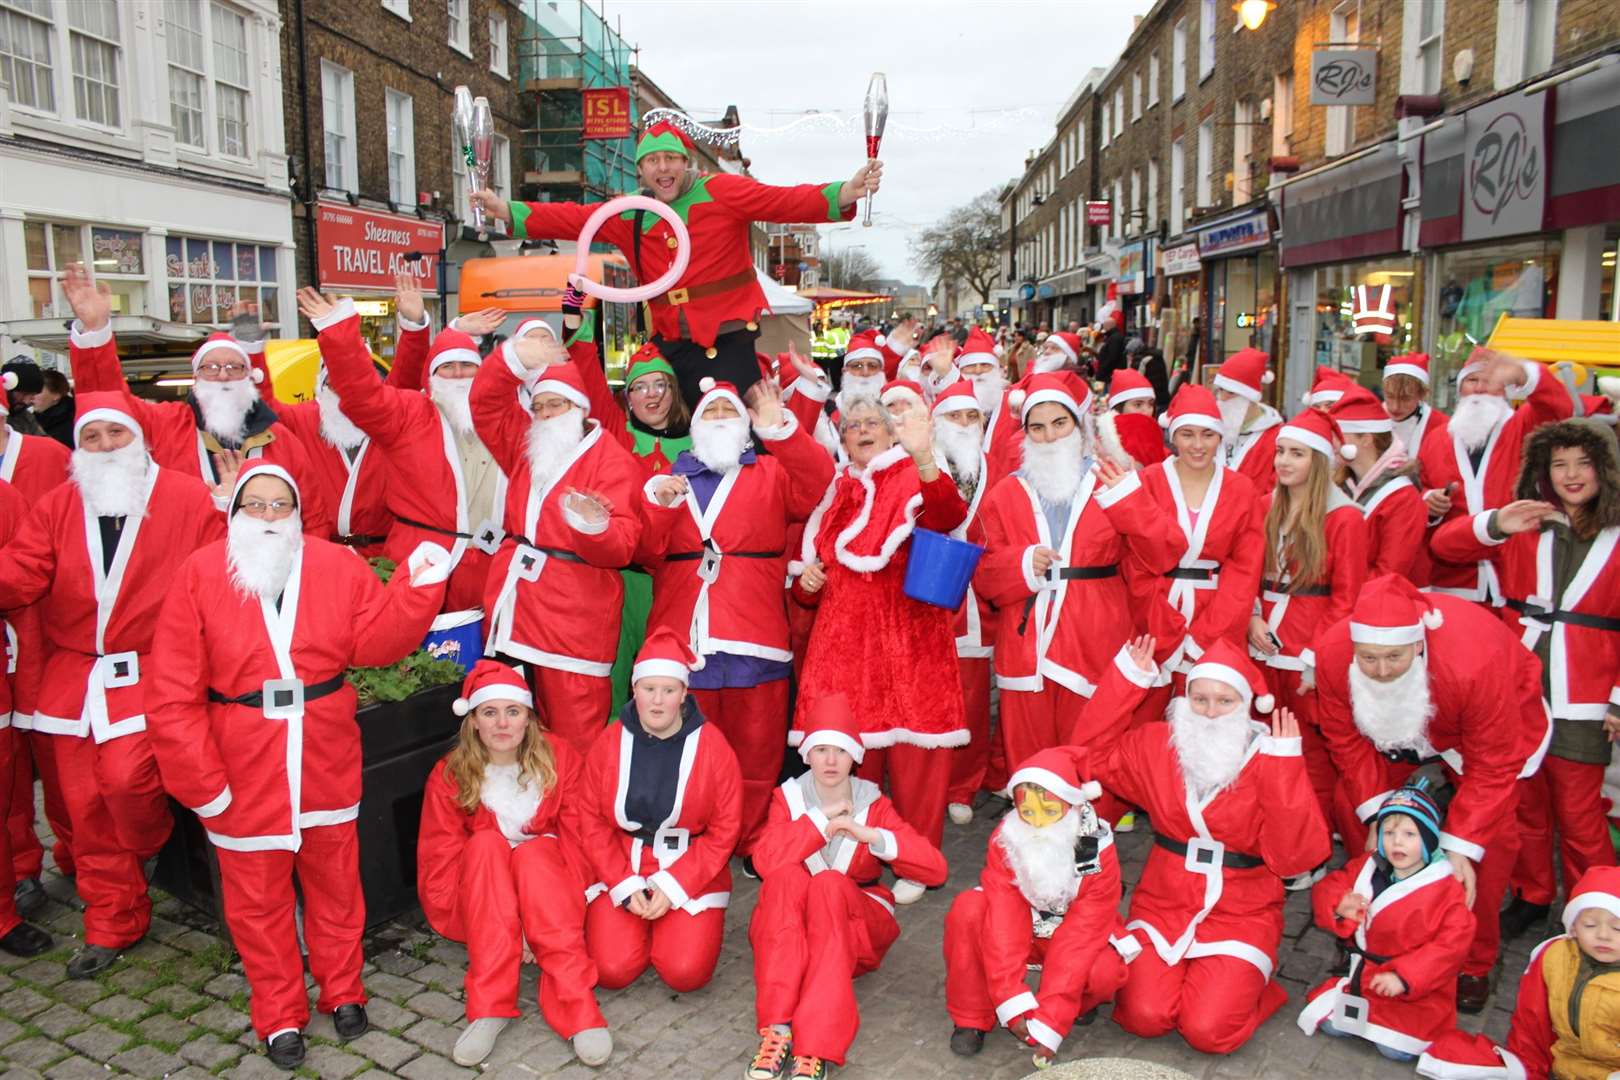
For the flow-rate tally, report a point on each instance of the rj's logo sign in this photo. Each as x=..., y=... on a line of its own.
x=1503, y=167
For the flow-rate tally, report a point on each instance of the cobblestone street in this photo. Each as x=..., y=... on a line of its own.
x=177, y=1006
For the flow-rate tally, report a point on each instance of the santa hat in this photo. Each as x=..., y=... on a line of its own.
x=452, y=346
x=665, y=654
x=1478, y=360
x=1359, y=412
x=830, y=722
x=1463, y=1054
x=645, y=361
x=899, y=388
x=261, y=467
x=1414, y=800
x=1057, y=770
x=534, y=324
x=110, y=405
x=1598, y=888
x=491, y=680
x=1194, y=406
x=563, y=380
x=8, y=382
x=866, y=345
x=664, y=136
x=220, y=342
x=978, y=348
x=1317, y=431
x=713, y=390
x=1598, y=408
x=1132, y=440
x=1329, y=387
x=1230, y=666
x=1413, y=364
x=1063, y=387
x=956, y=397
x=1389, y=610
x=1245, y=374
x=1069, y=343
x=1128, y=384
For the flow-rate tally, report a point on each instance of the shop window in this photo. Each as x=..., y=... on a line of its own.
x=1349, y=289
x=208, y=277
x=115, y=257
x=1474, y=287
x=1244, y=295
x=25, y=53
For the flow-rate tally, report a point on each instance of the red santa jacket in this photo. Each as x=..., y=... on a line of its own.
x=21, y=627
x=975, y=619
x=718, y=211
x=1490, y=487
x=1254, y=452
x=33, y=464
x=1488, y=716
x=446, y=830
x=1296, y=618
x=718, y=572
x=554, y=589
x=1433, y=426
x=174, y=435
x=1541, y=1038
x=1583, y=669
x=1397, y=523
x=425, y=489
x=98, y=621
x=1210, y=593
x=1420, y=929
x=687, y=854
x=1068, y=630
x=259, y=774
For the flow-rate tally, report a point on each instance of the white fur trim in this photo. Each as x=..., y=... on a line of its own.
x=1108, y=436
x=1362, y=634
x=81, y=338
x=887, y=847
x=343, y=309
x=956, y=403
x=1242, y=390
x=1016, y=1006
x=215, y=806
x=867, y=564
x=1407, y=369
x=1586, y=901
x=1127, y=667
x=1136, y=393
x=706, y=384
x=863, y=353
x=831, y=737
x=402, y=323
x=1194, y=419
x=500, y=691
x=1472, y=850
x=432, y=556
x=658, y=667
x=577, y=522
x=533, y=324
x=1309, y=439
x=215, y=346
x=1264, y=704
x=1027, y=563
x=1107, y=496
x=1366, y=427
x=666, y=884
x=789, y=424
x=623, y=889
x=1348, y=451
x=115, y=416
x=9, y=380
x=563, y=390
x=1062, y=397
x=1044, y=1035
x=1482, y=529
x=461, y=706
x=1049, y=780
x=975, y=358
x=1275, y=747
x=460, y=356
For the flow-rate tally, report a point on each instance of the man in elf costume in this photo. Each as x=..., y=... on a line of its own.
x=708, y=324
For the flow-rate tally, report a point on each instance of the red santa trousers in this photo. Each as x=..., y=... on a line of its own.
x=120, y=818
x=1566, y=796
x=682, y=948
x=918, y=779
x=754, y=720
x=967, y=992
x=970, y=764
x=571, y=706
x=1035, y=720
x=1215, y=1002
x=813, y=935
x=260, y=913
x=33, y=751
x=1336, y=808
x=9, y=740
x=510, y=895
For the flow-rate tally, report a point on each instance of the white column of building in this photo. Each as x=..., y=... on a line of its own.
x=1580, y=273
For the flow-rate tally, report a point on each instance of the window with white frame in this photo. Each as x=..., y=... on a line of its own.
x=1063, y=235
x=1079, y=142
x=402, y=8
x=1422, y=27
x=500, y=170
x=1525, y=36
x=93, y=43
x=337, y=119
x=1178, y=61
x=1153, y=79
x=1119, y=207
x=1205, y=179
x=1152, y=220
x=206, y=43
x=1178, y=186
x=1344, y=27
x=1102, y=133
x=1206, y=40
x=25, y=53
x=1137, y=223
x=1282, y=114
x=1063, y=157
x=208, y=277
x=231, y=80
x=497, y=43
x=1242, y=150
x=457, y=10
x=1119, y=111
x=1136, y=96
x=114, y=257
x=400, y=113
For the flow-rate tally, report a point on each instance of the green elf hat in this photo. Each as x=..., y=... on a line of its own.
x=664, y=136
x=648, y=361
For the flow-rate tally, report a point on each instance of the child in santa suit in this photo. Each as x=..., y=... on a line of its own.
x=1406, y=919
x=1048, y=896
x=661, y=816
x=823, y=918
x=499, y=866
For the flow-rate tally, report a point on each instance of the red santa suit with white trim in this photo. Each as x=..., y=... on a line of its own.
x=1387, y=493
x=1239, y=386
x=823, y=919
x=1049, y=896
x=715, y=546
x=1470, y=699
x=98, y=555
x=1425, y=423
x=1056, y=633
x=253, y=726
x=1232, y=817
x=554, y=593
x=14, y=756
x=511, y=871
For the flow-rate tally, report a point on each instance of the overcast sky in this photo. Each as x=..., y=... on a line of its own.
x=972, y=88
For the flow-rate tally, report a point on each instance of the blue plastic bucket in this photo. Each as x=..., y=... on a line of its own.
x=457, y=636
x=939, y=568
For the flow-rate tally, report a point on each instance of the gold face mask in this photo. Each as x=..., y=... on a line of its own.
x=1037, y=807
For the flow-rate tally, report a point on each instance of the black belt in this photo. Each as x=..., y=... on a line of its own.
x=1573, y=618
x=1069, y=573
x=694, y=556
x=1190, y=573
x=255, y=700
x=363, y=541
x=555, y=553
x=1306, y=590
x=1232, y=860
x=1408, y=756
x=434, y=529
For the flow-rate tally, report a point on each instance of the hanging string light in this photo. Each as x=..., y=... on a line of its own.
x=839, y=122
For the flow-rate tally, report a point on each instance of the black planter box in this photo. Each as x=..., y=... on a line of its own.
x=400, y=743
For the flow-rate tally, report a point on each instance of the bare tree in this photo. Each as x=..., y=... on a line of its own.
x=964, y=245
x=850, y=268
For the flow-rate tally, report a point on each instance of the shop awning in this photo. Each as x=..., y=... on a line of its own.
x=1583, y=186
x=1349, y=212
x=141, y=332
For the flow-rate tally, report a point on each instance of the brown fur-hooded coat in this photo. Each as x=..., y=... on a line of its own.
x=1598, y=440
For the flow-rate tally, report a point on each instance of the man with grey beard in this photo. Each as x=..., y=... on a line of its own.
x=98, y=554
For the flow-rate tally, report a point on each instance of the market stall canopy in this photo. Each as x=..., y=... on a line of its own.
x=827, y=298
x=781, y=299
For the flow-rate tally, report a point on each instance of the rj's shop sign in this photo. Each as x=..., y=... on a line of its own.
x=1505, y=167
x=1344, y=76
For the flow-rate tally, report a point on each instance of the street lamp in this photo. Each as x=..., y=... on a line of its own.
x=1251, y=13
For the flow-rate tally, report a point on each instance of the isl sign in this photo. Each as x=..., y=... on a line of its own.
x=607, y=112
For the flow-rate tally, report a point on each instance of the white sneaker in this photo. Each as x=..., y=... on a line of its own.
x=961, y=813
x=478, y=1040
x=593, y=1046
x=907, y=891
x=1301, y=882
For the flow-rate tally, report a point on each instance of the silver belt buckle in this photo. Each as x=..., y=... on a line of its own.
x=1204, y=856
x=1350, y=1014
x=709, y=565
x=488, y=536
x=529, y=563
x=120, y=669
x=283, y=698
x=671, y=842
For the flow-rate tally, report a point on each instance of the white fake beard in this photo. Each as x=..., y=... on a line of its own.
x=988, y=388
x=1049, y=361
x=1054, y=468
x=336, y=428
x=1476, y=417
x=225, y=406
x=1394, y=715
x=910, y=369
x=454, y=399
x=719, y=444
x=961, y=444
x=859, y=386
x=1233, y=410
x=260, y=554
x=1042, y=860
x=1210, y=749
x=512, y=802
x=552, y=442
x=112, y=483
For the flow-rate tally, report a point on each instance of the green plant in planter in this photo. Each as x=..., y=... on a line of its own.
x=411, y=675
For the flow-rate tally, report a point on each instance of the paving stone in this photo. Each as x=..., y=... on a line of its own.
x=437, y=1006
x=433, y=1067
x=133, y=979
x=210, y=1052
x=380, y=984
x=221, y=1018
x=254, y=1067
x=446, y=978
x=120, y=1007
x=60, y=1020
x=9, y=1030
x=166, y=1029
x=226, y=986
x=387, y=1016
x=395, y=962
x=176, y=999
x=148, y=1061
x=18, y=1073
x=383, y=1049
x=76, y=1068
x=433, y=1035
x=331, y=1063
x=23, y=1002
x=99, y=1042
x=43, y=972
x=80, y=993
x=35, y=1052
x=148, y=951
x=191, y=1072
